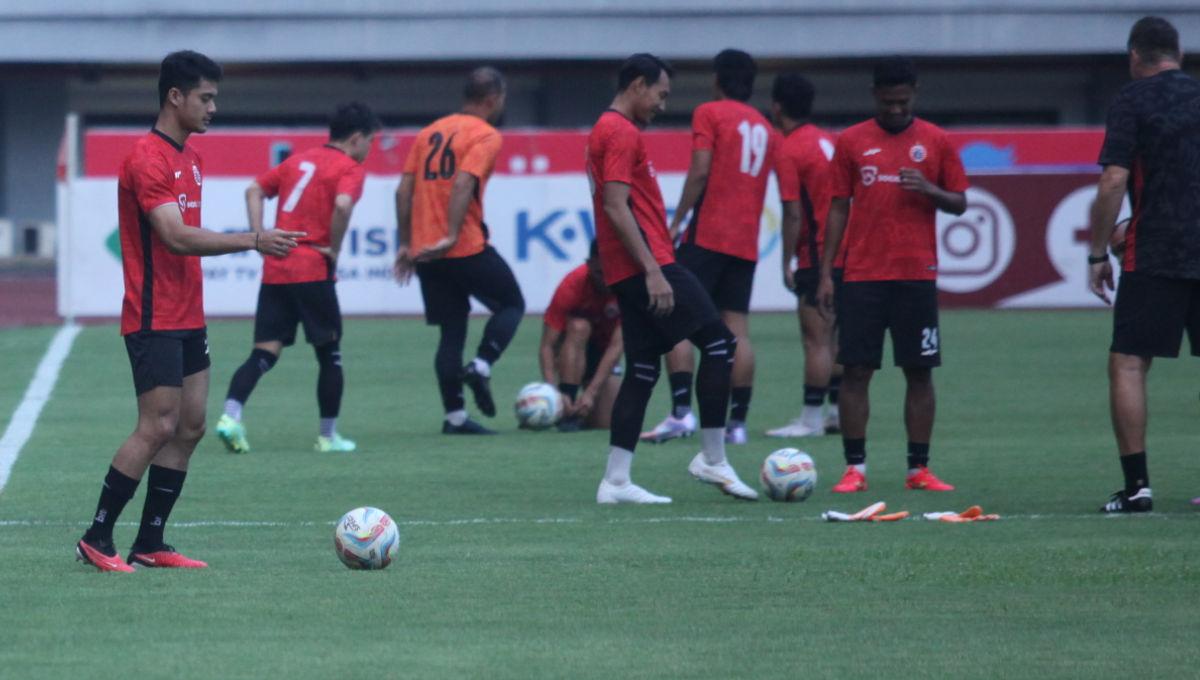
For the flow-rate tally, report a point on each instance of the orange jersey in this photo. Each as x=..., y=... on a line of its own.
x=452, y=144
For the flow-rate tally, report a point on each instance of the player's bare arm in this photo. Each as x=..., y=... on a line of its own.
x=793, y=225
x=404, y=200
x=616, y=207
x=550, y=339
x=1103, y=218
x=835, y=228
x=343, y=208
x=254, y=206
x=604, y=369
x=461, y=194
x=953, y=202
x=184, y=240
x=693, y=187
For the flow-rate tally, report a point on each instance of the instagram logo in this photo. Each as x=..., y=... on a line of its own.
x=974, y=248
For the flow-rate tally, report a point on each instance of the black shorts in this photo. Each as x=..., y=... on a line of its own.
x=806, y=281
x=165, y=358
x=1152, y=313
x=728, y=280
x=447, y=285
x=281, y=306
x=644, y=332
x=908, y=308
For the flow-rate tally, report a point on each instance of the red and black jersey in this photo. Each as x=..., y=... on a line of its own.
x=802, y=167
x=615, y=153
x=892, y=233
x=307, y=185
x=743, y=144
x=577, y=298
x=163, y=291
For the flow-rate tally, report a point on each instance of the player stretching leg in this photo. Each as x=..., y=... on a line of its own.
x=439, y=213
x=661, y=303
x=733, y=149
x=899, y=170
x=802, y=167
x=162, y=316
x=317, y=190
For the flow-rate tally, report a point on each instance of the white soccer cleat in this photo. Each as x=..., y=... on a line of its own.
x=798, y=428
x=610, y=494
x=671, y=428
x=722, y=476
x=735, y=434
x=833, y=423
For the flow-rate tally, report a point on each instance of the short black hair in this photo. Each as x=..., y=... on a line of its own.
x=794, y=93
x=642, y=65
x=482, y=83
x=1154, y=39
x=351, y=118
x=895, y=70
x=735, y=71
x=183, y=70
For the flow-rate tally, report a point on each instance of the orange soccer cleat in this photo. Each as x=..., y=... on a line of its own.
x=94, y=556
x=164, y=557
x=925, y=480
x=852, y=481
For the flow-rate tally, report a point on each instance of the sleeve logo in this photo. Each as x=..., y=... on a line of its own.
x=196, y=174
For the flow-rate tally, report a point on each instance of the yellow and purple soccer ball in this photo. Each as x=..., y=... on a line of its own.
x=366, y=538
x=789, y=475
x=538, y=406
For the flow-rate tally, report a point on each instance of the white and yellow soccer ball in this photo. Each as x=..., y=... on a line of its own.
x=538, y=406
x=366, y=538
x=789, y=475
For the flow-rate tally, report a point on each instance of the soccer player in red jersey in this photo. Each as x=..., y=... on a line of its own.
x=891, y=175
x=802, y=167
x=581, y=346
x=317, y=190
x=162, y=316
x=444, y=241
x=732, y=154
x=661, y=302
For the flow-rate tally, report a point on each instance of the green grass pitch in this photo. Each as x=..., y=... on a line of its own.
x=508, y=569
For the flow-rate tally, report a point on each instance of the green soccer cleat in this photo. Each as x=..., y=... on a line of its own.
x=335, y=444
x=232, y=434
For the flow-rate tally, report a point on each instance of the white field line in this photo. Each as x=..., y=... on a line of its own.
x=481, y=521
x=20, y=428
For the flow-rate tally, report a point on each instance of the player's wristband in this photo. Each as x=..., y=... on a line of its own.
x=1097, y=259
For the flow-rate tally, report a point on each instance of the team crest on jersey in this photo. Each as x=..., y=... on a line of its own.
x=917, y=153
x=196, y=174
x=869, y=174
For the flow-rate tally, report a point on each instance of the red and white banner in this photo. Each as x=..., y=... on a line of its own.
x=1022, y=242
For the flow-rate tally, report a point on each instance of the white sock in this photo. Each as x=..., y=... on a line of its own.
x=456, y=418
x=861, y=467
x=811, y=416
x=482, y=367
x=619, y=463
x=713, y=440
x=233, y=409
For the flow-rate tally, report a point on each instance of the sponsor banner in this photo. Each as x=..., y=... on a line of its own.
x=1022, y=242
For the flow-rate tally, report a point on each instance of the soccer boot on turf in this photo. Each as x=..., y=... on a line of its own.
x=468, y=427
x=481, y=387
x=852, y=481
x=98, y=557
x=335, y=444
x=924, y=480
x=833, y=422
x=232, y=434
x=735, y=433
x=671, y=428
x=1122, y=502
x=722, y=476
x=797, y=428
x=569, y=424
x=164, y=557
x=611, y=494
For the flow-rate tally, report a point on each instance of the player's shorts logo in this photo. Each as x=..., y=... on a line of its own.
x=869, y=174
x=196, y=174
x=917, y=153
x=974, y=248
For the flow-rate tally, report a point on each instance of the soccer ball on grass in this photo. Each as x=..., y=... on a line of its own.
x=538, y=406
x=366, y=538
x=789, y=475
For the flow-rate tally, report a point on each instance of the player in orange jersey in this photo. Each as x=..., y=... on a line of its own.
x=444, y=241
x=317, y=190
